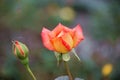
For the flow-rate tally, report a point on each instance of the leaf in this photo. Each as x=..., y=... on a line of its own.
x=73, y=50
x=66, y=57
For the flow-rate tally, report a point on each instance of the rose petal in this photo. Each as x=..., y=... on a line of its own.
x=67, y=41
x=18, y=46
x=66, y=29
x=46, y=39
x=60, y=34
x=57, y=30
x=78, y=35
x=59, y=46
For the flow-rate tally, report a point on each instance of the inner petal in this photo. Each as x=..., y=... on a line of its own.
x=59, y=46
x=60, y=34
x=67, y=41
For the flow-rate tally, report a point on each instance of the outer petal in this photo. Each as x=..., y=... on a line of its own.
x=78, y=35
x=56, y=30
x=46, y=39
x=17, y=46
x=68, y=30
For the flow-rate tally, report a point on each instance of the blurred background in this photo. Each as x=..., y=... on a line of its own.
x=23, y=20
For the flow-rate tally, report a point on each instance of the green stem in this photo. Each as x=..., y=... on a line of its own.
x=29, y=70
x=68, y=71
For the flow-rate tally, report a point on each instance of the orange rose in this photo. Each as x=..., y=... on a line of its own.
x=62, y=39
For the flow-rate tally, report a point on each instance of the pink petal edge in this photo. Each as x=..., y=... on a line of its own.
x=57, y=29
x=78, y=35
x=46, y=39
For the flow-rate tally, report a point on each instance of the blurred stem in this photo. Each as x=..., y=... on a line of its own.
x=29, y=70
x=68, y=71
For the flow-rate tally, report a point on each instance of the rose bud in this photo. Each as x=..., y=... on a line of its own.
x=21, y=51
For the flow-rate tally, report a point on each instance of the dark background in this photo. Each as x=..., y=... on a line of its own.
x=23, y=20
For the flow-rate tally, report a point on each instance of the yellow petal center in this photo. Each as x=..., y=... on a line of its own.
x=63, y=42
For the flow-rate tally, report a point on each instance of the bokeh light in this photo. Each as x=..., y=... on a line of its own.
x=107, y=69
x=67, y=13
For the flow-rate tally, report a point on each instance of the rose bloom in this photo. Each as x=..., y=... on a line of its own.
x=62, y=39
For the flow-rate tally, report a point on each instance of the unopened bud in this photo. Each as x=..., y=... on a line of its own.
x=21, y=51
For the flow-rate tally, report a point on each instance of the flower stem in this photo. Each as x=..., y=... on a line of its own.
x=68, y=71
x=29, y=70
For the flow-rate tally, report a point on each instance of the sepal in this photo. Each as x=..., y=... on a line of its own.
x=73, y=50
x=58, y=57
x=66, y=57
